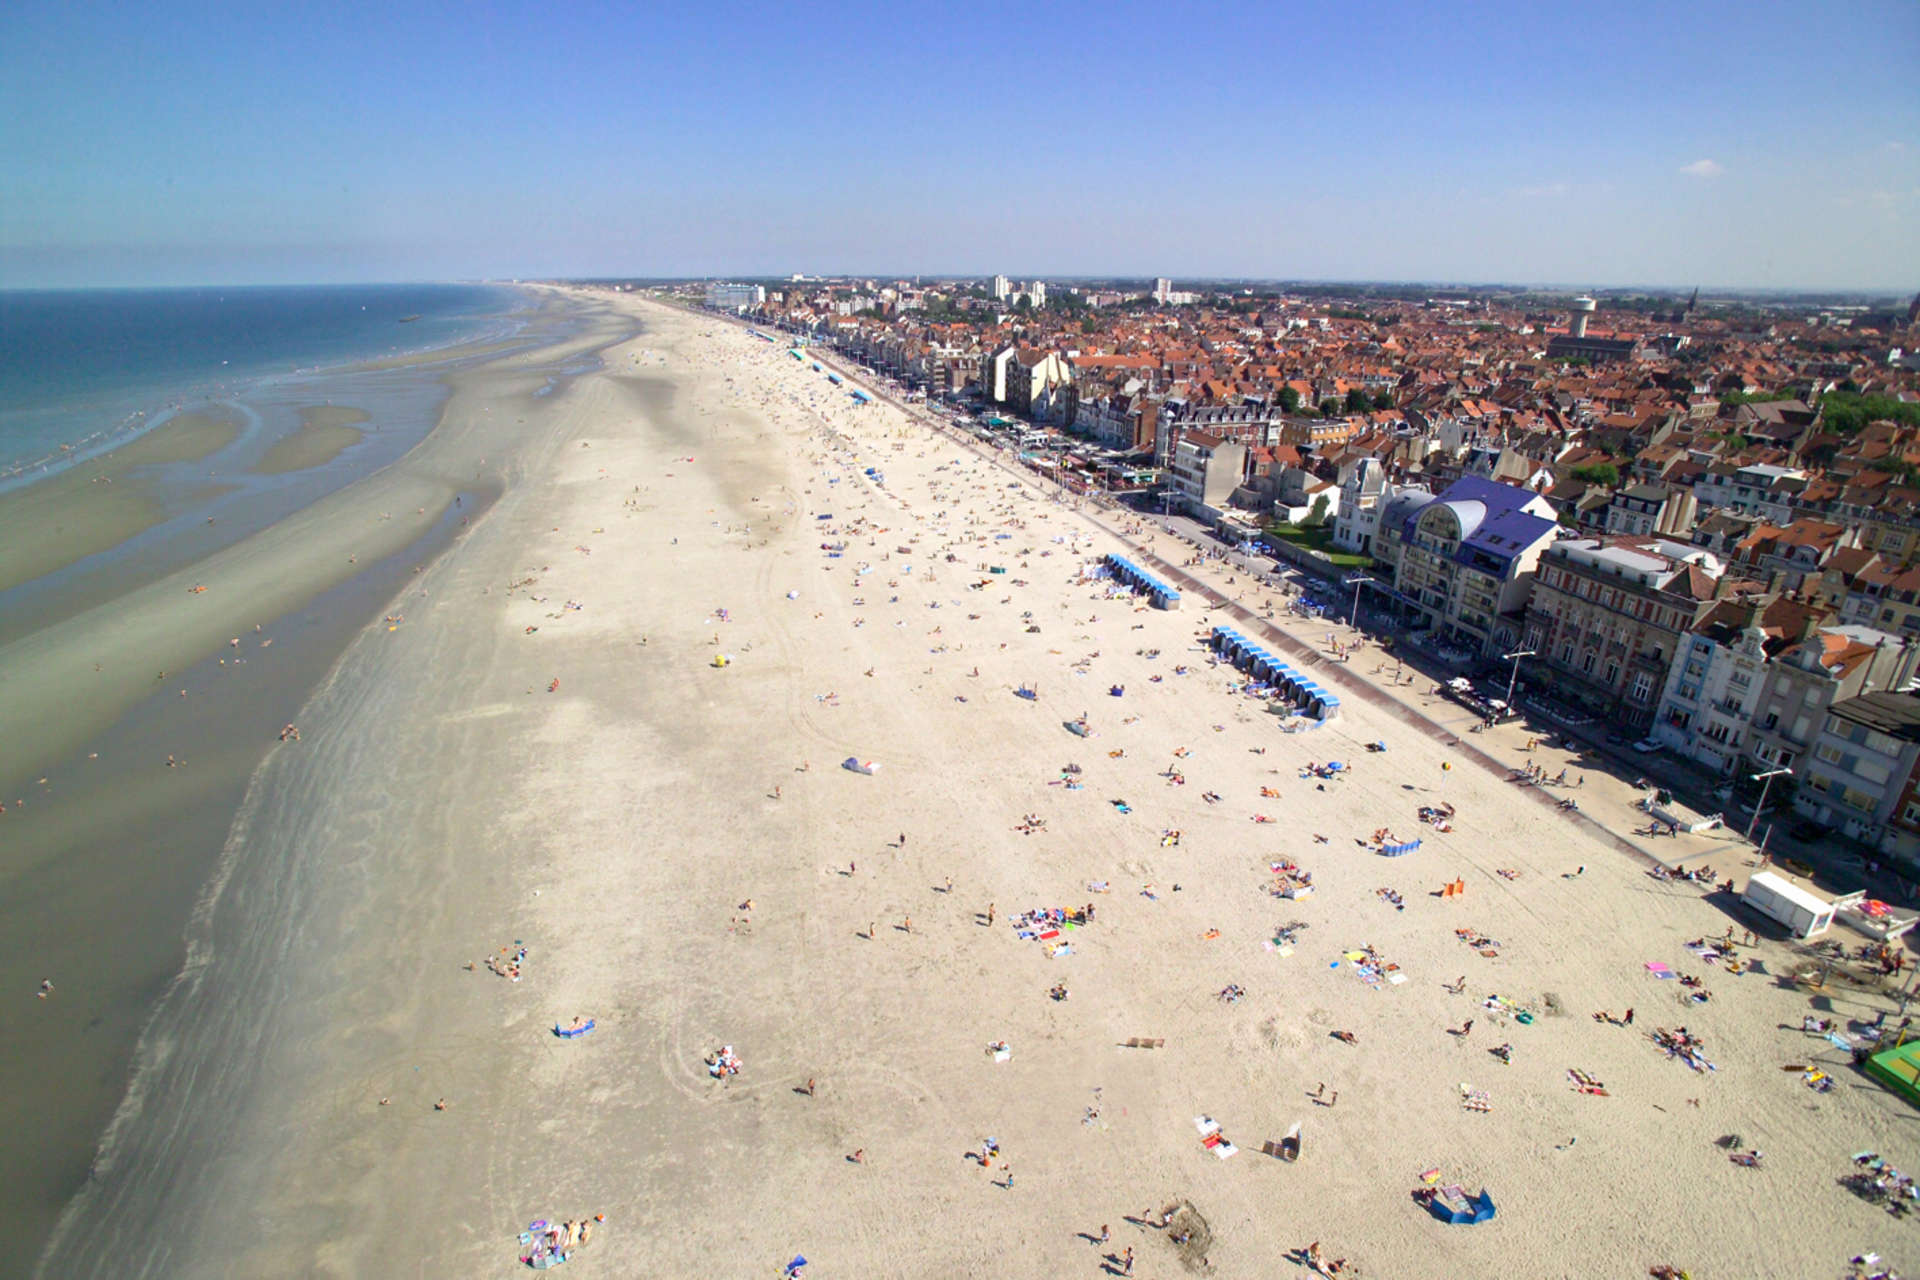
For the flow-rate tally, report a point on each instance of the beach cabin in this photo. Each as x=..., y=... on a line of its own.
x=1126, y=572
x=1805, y=914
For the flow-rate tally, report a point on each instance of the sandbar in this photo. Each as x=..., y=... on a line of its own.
x=102, y=502
x=325, y=432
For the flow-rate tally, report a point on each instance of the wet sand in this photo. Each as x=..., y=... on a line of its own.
x=326, y=432
x=99, y=504
x=507, y=768
x=105, y=850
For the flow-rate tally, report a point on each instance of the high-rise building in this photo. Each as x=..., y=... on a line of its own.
x=1001, y=287
x=1037, y=291
x=733, y=297
x=1161, y=288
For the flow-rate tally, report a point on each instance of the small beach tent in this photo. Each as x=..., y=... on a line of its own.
x=854, y=764
x=1398, y=850
x=1457, y=1209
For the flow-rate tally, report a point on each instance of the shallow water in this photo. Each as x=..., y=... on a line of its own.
x=105, y=850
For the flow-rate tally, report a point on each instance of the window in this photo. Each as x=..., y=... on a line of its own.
x=1642, y=686
x=1613, y=672
x=1587, y=665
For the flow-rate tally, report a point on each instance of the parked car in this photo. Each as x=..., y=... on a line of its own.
x=1646, y=746
x=1806, y=829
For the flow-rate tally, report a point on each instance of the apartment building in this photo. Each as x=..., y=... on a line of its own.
x=1206, y=470
x=1832, y=664
x=735, y=297
x=1718, y=675
x=1465, y=560
x=1861, y=765
x=1607, y=617
x=1037, y=383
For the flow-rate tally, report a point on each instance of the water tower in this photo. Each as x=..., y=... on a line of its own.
x=1582, y=308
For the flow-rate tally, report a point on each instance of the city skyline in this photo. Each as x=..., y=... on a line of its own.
x=1733, y=148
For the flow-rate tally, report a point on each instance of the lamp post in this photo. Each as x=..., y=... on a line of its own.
x=1766, y=781
x=1359, y=581
x=1514, y=679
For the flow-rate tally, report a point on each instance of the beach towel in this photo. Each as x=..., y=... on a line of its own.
x=1659, y=970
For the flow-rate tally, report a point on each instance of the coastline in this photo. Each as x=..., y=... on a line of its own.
x=107, y=815
x=504, y=769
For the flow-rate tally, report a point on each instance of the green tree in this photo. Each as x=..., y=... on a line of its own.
x=1289, y=400
x=1317, y=516
x=1846, y=412
x=1329, y=407
x=1384, y=400
x=1358, y=401
x=1603, y=474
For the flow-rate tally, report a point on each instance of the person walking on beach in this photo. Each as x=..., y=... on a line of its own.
x=1103, y=1233
x=989, y=913
x=1126, y=1261
x=1628, y=1020
x=1467, y=1029
x=809, y=1086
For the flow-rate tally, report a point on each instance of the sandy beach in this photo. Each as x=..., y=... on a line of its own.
x=543, y=753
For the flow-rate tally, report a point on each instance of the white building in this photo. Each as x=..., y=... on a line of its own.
x=1206, y=470
x=1161, y=288
x=1037, y=291
x=1707, y=705
x=1363, y=493
x=1002, y=287
x=735, y=297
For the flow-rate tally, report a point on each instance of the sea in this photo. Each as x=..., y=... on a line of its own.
x=99, y=873
x=82, y=371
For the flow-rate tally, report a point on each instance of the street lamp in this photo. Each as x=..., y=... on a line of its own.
x=1765, y=780
x=1358, y=581
x=1514, y=679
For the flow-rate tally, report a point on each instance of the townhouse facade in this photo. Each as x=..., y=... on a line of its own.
x=1607, y=618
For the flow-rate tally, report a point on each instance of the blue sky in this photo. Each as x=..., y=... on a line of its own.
x=1759, y=145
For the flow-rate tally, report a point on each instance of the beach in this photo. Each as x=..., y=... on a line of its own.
x=161, y=640
x=605, y=726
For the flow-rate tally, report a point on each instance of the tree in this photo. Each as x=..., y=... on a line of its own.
x=1329, y=407
x=1384, y=400
x=1358, y=401
x=1602, y=474
x=1317, y=516
x=1289, y=400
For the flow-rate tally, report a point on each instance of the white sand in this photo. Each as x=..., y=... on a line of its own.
x=442, y=803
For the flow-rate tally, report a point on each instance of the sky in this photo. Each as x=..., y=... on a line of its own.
x=1752, y=145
